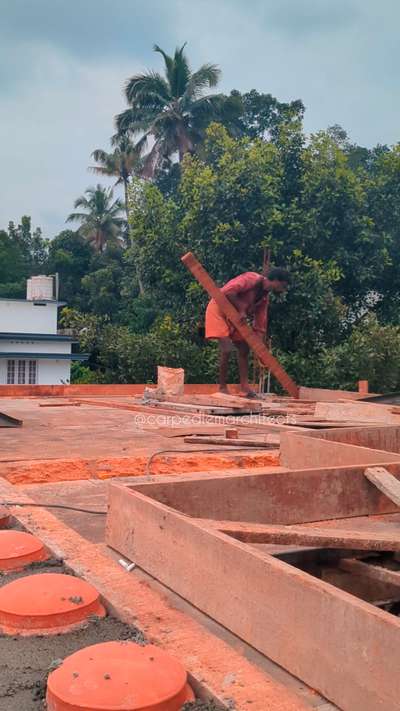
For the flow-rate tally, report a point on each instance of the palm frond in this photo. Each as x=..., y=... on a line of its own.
x=134, y=121
x=76, y=216
x=122, y=142
x=210, y=106
x=101, y=170
x=206, y=77
x=141, y=144
x=102, y=222
x=181, y=73
x=147, y=89
x=169, y=63
x=81, y=201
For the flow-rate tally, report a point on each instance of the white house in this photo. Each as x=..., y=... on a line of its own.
x=31, y=350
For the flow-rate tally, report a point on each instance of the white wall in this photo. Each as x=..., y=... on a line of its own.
x=19, y=346
x=25, y=317
x=49, y=372
x=54, y=372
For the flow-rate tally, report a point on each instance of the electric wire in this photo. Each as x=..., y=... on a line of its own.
x=148, y=473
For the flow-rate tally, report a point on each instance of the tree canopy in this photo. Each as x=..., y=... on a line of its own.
x=227, y=177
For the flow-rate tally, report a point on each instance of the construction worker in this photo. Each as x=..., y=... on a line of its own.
x=248, y=293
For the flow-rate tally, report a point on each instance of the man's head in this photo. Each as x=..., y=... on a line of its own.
x=277, y=279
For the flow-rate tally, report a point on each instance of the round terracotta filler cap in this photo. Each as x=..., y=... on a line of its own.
x=47, y=603
x=4, y=517
x=18, y=549
x=118, y=676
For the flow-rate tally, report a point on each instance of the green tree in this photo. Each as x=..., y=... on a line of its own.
x=31, y=244
x=154, y=248
x=101, y=288
x=70, y=255
x=122, y=163
x=329, y=219
x=230, y=202
x=370, y=352
x=383, y=193
x=261, y=115
x=101, y=221
x=12, y=268
x=173, y=110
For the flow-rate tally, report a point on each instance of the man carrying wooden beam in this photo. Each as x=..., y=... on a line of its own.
x=248, y=293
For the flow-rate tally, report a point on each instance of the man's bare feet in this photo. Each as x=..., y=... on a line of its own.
x=250, y=394
x=223, y=391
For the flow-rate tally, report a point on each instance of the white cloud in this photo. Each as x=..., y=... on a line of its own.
x=49, y=127
x=59, y=95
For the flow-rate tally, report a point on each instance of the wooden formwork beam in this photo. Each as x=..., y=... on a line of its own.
x=256, y=344
x=341, y=646
x=372, y=572
x=277, y=496
x=306, y=536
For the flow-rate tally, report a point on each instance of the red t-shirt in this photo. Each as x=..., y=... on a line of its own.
x=243, y=285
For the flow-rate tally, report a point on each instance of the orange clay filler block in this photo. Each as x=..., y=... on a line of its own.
x=118, y=675
x=264, y=356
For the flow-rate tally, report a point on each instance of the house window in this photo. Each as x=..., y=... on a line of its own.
x=32, y=372
x=21, y=372
x=10, y=372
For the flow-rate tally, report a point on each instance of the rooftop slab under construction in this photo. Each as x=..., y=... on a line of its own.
x=299, y=507
x=67, y=440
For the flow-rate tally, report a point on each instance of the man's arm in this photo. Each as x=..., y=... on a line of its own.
x=234, y=298
x=260, y=317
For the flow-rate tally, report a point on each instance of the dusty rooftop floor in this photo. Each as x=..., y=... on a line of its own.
x=104, y=439
x=62, y=454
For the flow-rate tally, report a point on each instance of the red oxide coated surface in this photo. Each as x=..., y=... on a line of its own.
x=103, y=440
x=119, y=676
x=18, y=549
x=208, y=659
x=4, y=517
x=47, y=603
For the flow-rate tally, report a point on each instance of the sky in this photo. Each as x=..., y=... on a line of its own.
x=63, y=65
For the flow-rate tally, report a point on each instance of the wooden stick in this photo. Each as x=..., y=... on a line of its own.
x=385, y=482
x=247, y=333
x=230, y=442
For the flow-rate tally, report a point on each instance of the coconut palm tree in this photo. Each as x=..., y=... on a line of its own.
x=101, y=221
x=123, y=162
x=171, y=111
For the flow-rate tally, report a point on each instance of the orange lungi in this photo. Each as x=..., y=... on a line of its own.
x=217, y=325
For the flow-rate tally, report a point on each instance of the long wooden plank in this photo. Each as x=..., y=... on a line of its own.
x=373, y=572
x=202, y=409
x=260, y=444
x=385, y=482
x=305, y=536
x=247, y=333
x=357, y=410
x=214, y=400
x=306, y=625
